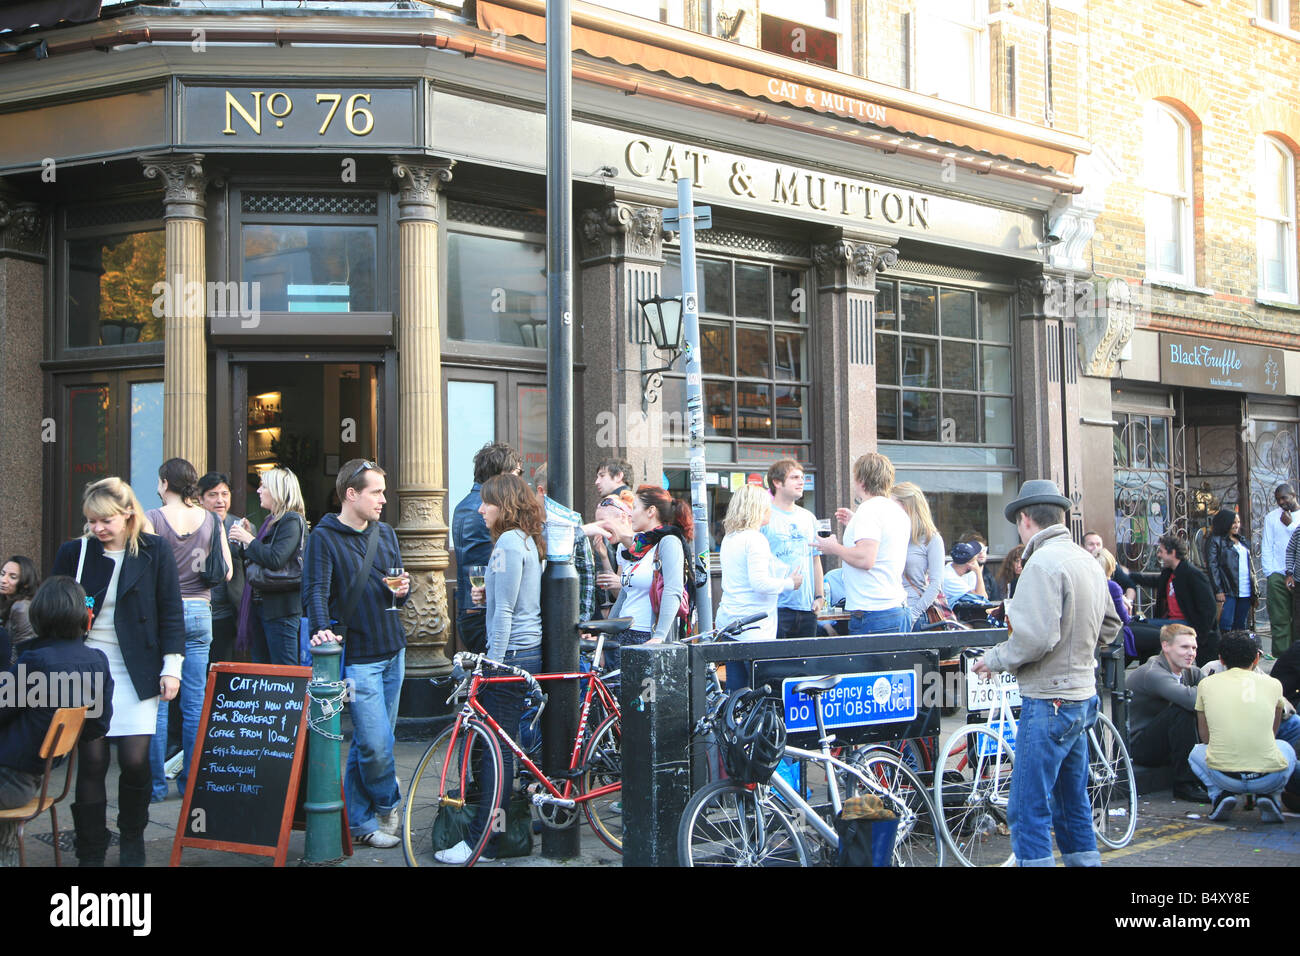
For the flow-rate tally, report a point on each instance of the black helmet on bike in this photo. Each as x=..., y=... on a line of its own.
x=753, y=737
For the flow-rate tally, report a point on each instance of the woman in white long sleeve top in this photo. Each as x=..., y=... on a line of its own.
x=748, y=584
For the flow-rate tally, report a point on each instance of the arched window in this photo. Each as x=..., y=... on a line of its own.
x=1167, y=178
x=1275, y=212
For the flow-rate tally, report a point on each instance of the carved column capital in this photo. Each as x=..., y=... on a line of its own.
x=1105, y=332
x=621, y=230
x=418, y=183
x=184, y=183
x=852, y=264
x=22, y=227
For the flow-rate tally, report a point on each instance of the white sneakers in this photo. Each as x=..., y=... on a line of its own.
x=391, y=821
x=457, y=855
x=1269, y=811
x=378, y=839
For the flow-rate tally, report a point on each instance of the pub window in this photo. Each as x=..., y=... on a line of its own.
x=111, y=257
x=496, y=289
x=1167, y=175
x=1275, y=212
x=757, y=377
x=806, y=30
x=945, y=401
x=309, y=252
x=952, y=51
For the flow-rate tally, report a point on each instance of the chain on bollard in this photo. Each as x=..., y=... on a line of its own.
x=330, y=696
x=324, y=805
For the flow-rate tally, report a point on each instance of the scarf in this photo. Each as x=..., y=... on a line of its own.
x=643, y=541
x=248, y=621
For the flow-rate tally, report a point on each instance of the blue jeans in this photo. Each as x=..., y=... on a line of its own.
x=194, y=683
x=896, y=620
x=1216, y=781
x=370, y=782
x=281, y=638
x=1234, y=613
x=505, y=702
x=1049, y=785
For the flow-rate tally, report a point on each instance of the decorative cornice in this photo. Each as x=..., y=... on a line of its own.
x=622, y=230
x=854, y=264
x=184, y=183
x=418, y=185
x=22, y=227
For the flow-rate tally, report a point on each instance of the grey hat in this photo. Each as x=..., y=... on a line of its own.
x=1037, y=491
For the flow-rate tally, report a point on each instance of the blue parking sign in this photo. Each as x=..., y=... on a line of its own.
x=878, y=697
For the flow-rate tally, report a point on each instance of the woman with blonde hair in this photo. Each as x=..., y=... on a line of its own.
x=129, y=575
x=1108, y=564
x=749, y=585
x=923, y=569
x=273, y=569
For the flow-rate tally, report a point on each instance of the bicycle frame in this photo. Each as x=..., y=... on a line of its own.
x=564, y=797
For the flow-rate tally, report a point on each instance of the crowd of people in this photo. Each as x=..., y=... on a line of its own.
x=160, y=593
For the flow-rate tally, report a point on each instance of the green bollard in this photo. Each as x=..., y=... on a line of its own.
x=324, y=803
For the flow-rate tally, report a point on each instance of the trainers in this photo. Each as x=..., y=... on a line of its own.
x=377, y=839
x=457, y=855
x=390, y=822
x=1269, y=812
x=1223, y=807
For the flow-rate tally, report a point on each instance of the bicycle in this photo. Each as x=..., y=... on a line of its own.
x=974, y=809
x=728, y=823
x=462, y=768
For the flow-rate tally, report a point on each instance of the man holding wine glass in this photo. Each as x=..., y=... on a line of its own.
x=789, y=533
x=352, y=576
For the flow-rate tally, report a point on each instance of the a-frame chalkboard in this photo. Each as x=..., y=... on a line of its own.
x=244, y=776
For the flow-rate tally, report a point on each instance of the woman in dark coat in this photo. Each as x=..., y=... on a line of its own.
x=1231, y=568
x=130, y=574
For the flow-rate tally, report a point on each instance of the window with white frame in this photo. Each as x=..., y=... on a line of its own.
x=815, y=31
x=1167, y=178
x=1275, y=11
x=1275, y=211
x=665, y=11
x=952, y=51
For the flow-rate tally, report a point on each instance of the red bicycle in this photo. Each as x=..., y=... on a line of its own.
x=463, y=767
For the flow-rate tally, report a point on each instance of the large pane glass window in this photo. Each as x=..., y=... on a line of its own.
x=944, y=396
x=1167, y=175
x=111, y=298
x=496, y=290
x=1275, y=205
x=952, y=51
x=810, y=31
x=301, y=268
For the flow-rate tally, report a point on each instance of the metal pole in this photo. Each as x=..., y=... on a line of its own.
x=324, y=803
x=559, y=580
x=695, y=404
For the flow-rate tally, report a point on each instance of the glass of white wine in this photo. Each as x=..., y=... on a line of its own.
x=477, y=577
x=394, y=579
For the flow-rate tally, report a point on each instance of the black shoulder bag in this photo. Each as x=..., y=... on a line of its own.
x=354, y=594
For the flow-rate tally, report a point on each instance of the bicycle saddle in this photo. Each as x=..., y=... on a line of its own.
x=811, y=688
x=613, y=625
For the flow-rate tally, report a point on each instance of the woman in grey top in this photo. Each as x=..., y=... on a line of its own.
x=513, y=592
x=923, y=571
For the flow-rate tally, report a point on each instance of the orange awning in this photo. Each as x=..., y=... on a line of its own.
x=679, y=61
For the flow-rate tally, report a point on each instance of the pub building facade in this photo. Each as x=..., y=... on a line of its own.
x=251, y=237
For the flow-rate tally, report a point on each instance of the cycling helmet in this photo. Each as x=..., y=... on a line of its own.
x=753, y=737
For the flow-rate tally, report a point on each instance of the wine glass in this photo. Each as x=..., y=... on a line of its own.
x=394, y=579
x=824, y=527
x=477, y=577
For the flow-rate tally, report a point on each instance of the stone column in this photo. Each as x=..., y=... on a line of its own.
x=846, y=354
x=22, y=330
x=185, y=357
x=621, y=262
x=421, y=487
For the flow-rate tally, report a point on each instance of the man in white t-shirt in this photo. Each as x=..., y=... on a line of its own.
x=1279, y=525
x=874, y=551
x=789, y=533
x=961, y=578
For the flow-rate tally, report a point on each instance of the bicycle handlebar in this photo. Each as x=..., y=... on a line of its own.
x=479, y=660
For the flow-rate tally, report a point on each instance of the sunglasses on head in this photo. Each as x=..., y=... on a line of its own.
x=364, y=465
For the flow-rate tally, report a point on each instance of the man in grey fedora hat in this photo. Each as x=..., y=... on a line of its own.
x=1060, y=611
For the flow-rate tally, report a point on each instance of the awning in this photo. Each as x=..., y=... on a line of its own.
x=46, y=13
x=728, y=71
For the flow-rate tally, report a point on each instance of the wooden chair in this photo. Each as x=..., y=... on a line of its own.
x=60, y=741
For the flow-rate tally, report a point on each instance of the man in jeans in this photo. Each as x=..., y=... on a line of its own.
x=789, y=533
x=374, y=645
x=1061, y=608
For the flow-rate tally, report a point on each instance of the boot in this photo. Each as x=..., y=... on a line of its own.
x=92, y=834
x=132, y=818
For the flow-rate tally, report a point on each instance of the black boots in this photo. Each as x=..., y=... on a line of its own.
x=92, y=834
x=132, y=818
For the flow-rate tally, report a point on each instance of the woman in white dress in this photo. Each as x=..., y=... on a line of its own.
x=749, y=585
x=129, y=574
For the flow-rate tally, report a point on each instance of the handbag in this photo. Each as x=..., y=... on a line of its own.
x=657, y=593
x=451, y=826
x=288, y=578
x=214, y=570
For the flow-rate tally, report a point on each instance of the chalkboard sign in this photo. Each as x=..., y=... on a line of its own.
x=243, y=782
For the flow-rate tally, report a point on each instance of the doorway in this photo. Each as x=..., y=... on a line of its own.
x=307, y=416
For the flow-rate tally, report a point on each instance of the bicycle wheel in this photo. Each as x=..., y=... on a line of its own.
x=920, y=836
x=475, y=742
x=602, y=765
x=1112, y=788
x=728, y=824
x=972, y=779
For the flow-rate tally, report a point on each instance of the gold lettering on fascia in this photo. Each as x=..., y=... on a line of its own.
x=278, y=104
x=789, y=187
